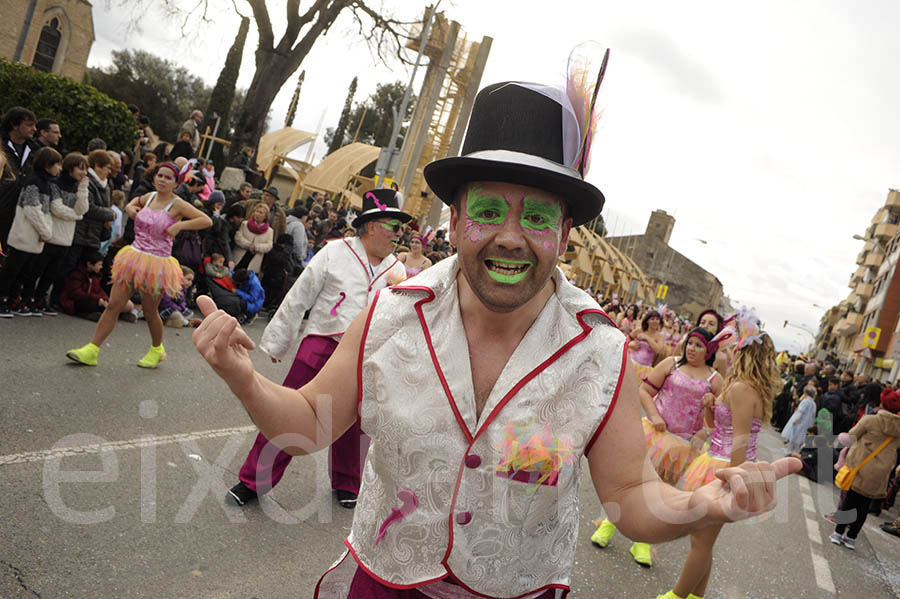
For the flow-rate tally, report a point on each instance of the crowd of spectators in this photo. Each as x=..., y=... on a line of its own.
x=62, y=220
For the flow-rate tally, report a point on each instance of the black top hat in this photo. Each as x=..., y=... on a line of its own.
x=272, y=190
x=380, y=203
x=515, y=135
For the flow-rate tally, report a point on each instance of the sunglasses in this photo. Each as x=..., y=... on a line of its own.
x=392, y=225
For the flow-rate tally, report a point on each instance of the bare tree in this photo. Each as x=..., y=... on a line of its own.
x=277, y=60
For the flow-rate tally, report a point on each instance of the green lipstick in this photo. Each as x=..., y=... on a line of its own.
x=509, y=272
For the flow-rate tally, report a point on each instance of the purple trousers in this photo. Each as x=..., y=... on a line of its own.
x=365, y=587
x=262, y=470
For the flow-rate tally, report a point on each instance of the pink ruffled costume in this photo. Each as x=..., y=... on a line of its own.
x=703, y=469
x=147, y=265
x=680, y=404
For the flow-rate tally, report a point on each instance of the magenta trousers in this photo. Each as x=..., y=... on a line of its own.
x=263, y=470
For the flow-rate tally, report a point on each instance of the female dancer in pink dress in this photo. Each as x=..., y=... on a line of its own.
x=673, y=397
x=646, y=343
x=737, y=417
x=147, y=266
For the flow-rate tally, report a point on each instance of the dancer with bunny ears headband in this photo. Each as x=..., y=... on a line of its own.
x=484, y=380
x=736, y=417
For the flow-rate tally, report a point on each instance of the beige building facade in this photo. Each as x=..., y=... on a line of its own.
x=50, y=35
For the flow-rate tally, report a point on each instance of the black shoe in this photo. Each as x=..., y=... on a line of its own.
x=5, y=312
x=24, y=309
x=241, y=494
x=127, y=317
x=346, y=499
x=44, y=309
x=889, y=528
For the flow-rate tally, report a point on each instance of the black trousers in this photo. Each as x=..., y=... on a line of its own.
x=853, y=501
x=16, y=268
x=44, y=271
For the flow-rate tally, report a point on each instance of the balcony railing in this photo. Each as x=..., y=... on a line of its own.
x=864, y=291
x=874, y=259
x=886, y=230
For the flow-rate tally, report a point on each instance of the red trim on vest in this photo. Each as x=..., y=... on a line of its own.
x=327, y=572
x=380, y=580
x=359, y=361
x=542, y=589
x=434, y=359
x=384, y=272
x=612, y=404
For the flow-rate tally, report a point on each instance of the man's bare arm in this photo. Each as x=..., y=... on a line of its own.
x=645, y=508
x=299, y=421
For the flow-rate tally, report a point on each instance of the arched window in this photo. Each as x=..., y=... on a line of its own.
x=48, y=44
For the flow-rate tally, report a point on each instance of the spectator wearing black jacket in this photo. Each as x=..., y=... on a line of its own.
x=834, y=401
x=277, y=266
x=17, y=126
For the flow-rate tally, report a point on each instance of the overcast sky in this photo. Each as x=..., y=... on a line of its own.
x=769, y=130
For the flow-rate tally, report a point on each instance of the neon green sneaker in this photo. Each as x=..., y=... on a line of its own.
x=693, y=596
x=153, y=357
x=86, y=354
x=603, y=534
x=641, y=554
x=672, y=595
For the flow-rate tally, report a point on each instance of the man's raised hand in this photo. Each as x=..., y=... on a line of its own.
x=744, y=491
x=224, y=344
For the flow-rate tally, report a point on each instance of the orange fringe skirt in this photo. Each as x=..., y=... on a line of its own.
x=669, y=453
x=146, y=273
x=701, y=471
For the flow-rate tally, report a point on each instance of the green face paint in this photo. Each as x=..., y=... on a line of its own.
x=392, y=225
x=539, y=216
x=509, y=278
x=487, y=210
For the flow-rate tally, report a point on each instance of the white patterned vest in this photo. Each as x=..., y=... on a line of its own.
x=492, y=501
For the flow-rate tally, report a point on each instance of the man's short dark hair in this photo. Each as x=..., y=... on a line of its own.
x=96, y=144
x=14, y=117
x=833, y=380
x=240, y=276
x=45, y=124
x=93, y=257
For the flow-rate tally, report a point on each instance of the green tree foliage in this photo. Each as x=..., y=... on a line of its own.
x=377, y=115
x=337, y=137
x=83, y=112
x=222, y=98
x=164, y=92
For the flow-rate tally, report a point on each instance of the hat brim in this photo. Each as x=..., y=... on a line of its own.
x=375, y=214
x=445, y=176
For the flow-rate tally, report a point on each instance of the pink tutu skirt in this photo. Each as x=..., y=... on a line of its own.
x=669, y=453
x=641, y=371
x=701, y=471
x=146, y=273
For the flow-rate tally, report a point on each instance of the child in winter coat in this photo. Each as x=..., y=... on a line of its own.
x=82, y=294
x=250, y=292
x=173, y=310
x=31, y=227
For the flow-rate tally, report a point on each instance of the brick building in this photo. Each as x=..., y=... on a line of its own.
x=692, y=289
x=50, y=35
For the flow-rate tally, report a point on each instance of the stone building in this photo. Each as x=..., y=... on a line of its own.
x=50, y=35
x=691, y=289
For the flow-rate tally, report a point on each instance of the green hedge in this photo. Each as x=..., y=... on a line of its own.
x=83, y=112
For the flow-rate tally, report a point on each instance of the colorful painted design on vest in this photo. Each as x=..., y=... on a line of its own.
x=533, y=457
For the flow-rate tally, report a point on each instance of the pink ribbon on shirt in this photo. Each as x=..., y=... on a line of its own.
x=339, y=302
x=410, y=503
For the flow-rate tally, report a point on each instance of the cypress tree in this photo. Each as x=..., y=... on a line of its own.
x=292, y=111
x=222, y=96
x=338, y=139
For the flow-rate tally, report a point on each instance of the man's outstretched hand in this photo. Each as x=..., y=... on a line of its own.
x=744, y=491
x=224, y=344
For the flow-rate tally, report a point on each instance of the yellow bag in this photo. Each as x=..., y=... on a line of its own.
x=844, y=478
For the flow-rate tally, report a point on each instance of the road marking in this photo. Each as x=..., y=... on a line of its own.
x=820, y=564
x=149, y=441
x=823, y=573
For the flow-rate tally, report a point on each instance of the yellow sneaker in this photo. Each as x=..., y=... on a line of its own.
x=153, y=357
x=86, y=354
x=641, y=554
x=672, y=595
x=603, y=534
x=693, y=596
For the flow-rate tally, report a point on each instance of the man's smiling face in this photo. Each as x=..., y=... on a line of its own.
x=508, y=237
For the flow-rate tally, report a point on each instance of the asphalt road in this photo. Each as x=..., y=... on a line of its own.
x=114, y=480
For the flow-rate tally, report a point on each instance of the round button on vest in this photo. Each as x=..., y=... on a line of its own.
x=463, y=518
x=473, y=461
